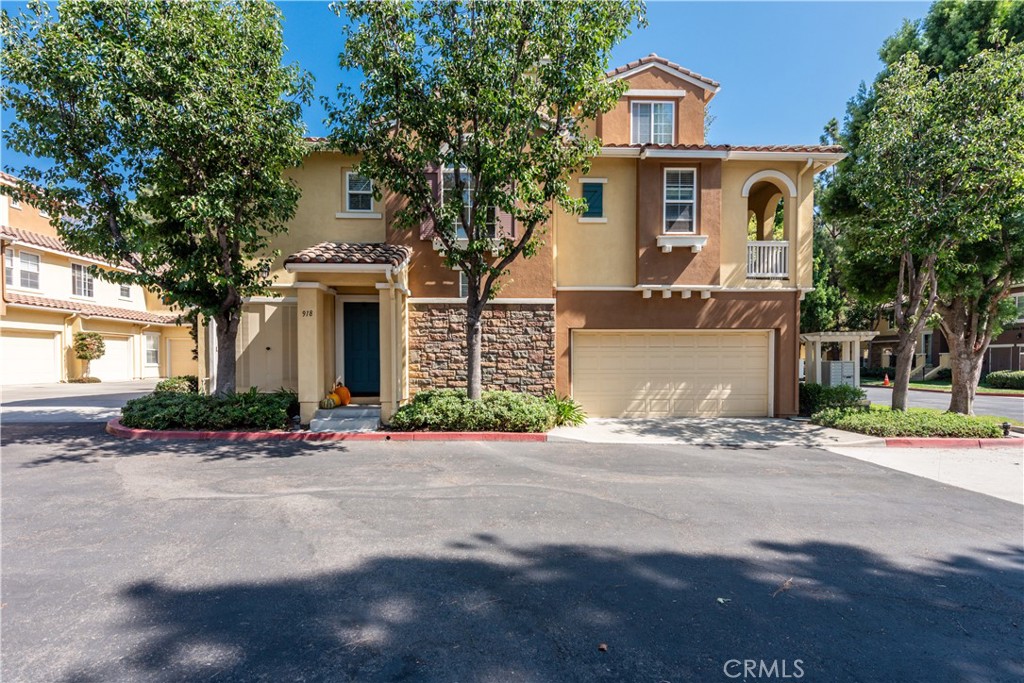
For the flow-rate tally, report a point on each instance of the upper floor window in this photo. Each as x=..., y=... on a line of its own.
x=463, y=285
x=652, y=123
x=448, y=190
x=81, y=281
x=9, y=267
x=1019, y=301
x=593, y=195
x=125, y=291
x=43, y=213
x=358, y=192
x=680, y=200
x=15, y=204
x=28, y=269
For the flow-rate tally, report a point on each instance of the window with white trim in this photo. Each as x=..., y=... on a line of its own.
x=593, y=195
x=152, y=348
x=1018, y=300
x=125, y=291
x=43, y=213
x=9, y=267
x=680, y=200
x=15, y=204
x=359, y=193
x=652, y=123
x=81, y=281
x=28, y=270
x=448, y=189
x=463, y=285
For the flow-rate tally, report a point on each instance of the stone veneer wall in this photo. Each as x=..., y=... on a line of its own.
x=518, y=351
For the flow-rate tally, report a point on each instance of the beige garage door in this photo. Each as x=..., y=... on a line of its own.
x=666, y=373
x=29, y=358
x=116, y=363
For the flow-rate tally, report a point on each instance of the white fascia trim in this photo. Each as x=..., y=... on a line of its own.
x=462, y=300
x=337, y=268
x=75, y=257
x=595, y=288
x=582, y=219
x=669, y=70
x=89, y=316
x=831, y=157
x=312, y=285
x=634, y=152
x=668, y=92
x=768, y=174
x=676, y=288
x=593, y=180
x=358, y=214
x=270, y=300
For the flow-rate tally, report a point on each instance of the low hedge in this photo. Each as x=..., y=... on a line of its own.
x=237, y=412
x=450, y=410
x=815, y=397
x=181, y=384
x=1005, y=379
x=917, y=422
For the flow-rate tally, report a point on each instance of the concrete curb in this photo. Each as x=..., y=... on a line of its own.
x=115, y=428
x=938, y=442
x=942, y=391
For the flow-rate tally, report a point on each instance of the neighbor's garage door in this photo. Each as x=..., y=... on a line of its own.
x=660, y=374
x=116, y=363
x=29, y=358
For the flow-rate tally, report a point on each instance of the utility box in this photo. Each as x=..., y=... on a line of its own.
x=837, y=372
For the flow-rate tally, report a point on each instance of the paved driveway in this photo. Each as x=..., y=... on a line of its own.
x=135, y=561
x=1001, y=406
x=68, y=402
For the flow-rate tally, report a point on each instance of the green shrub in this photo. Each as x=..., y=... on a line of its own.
x=815, y=397
x=919, y=422
x=1005, y=379
x=875, y=373
x=181, y=384
x=85, y=380
x=250, y=410
x=567, y=411
x=944, y=375
x=450, y=410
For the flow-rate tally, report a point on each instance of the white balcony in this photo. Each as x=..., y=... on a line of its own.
x=768, y=260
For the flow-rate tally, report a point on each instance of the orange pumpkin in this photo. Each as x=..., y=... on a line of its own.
x=343, y=394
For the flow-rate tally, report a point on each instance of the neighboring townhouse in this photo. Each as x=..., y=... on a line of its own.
x=654, y=302
x=1006, y=352
x=48, y=295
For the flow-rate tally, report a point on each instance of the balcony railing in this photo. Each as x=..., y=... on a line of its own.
x=768, y=260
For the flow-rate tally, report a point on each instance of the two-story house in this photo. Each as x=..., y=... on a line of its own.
x=48, y=294
x=654, y=302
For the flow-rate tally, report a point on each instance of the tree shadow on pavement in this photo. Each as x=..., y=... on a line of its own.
x=487, y=611
x=89, y=443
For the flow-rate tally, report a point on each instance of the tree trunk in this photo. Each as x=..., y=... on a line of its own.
x=474, y=334
x=904, y=364
x=227, y=332
x=966, y=366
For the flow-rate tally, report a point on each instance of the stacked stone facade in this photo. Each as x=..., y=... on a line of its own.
x=517, y=354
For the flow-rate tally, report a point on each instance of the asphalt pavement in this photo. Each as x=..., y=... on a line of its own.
x=984, y=404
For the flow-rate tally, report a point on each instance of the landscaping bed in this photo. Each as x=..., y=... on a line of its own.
x=183, y=410
x=882, y=421
x=451, y=410
x=990, y=385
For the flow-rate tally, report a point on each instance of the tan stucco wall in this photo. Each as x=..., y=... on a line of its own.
x=614, y=126
x=600, y=254
x=726, y=310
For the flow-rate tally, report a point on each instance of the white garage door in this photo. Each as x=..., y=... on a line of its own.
x=116, y=363
x=29, y=358
x=660, y=374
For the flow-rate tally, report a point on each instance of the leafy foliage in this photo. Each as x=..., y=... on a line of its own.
x=493, y=96
x=1005, y=379
x=816, y=397
x=181, y=384
x=88, y=345
x=495, y=411
x=916, y=422
x=168, y=126
x=250, y=410
x=568, y=413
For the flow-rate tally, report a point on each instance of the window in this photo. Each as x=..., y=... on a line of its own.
x=463, y=285
x=126, y=291
x=1019, y=301
x=43, y=213
x=15, y=204
x=680, y=200
x=652, y=123
x=593, y=194
x=81, y=281
x=152, y=349
x=359, y=192
x=448, y=189
x=28, y=270
x=9, y=267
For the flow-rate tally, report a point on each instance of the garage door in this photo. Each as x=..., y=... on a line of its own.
x=660, y=374
x=116, y=363
x=29, y=358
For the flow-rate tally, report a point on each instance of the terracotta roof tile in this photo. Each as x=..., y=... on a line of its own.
x=801, y=149
x=46, y=242
x=653, y=58
x=353, y=252
x=92, y=309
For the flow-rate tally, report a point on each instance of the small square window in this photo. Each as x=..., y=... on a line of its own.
x=81, y=281
x=28, y=270
x=593, y=194
x=126, y=291
x=359, y=192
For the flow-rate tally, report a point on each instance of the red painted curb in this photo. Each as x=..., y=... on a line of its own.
x=934, y=442
x=115, y=428
x=942, y=391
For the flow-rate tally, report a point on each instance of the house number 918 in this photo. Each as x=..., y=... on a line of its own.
x=307, y=313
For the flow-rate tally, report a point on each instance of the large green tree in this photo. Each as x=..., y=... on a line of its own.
x=488, y=100
x=167, y=127
x=941, y=166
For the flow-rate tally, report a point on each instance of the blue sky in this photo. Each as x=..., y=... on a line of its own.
x=785, y=68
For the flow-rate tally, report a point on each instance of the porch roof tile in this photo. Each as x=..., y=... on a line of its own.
x=354, y=253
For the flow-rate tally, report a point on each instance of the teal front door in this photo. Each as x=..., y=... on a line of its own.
x=362, y=348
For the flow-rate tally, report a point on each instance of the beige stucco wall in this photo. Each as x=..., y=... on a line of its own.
x=614, y=126
x=600, y=254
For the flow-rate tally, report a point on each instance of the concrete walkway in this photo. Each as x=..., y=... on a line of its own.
x=996, y=472
x=710, y=432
